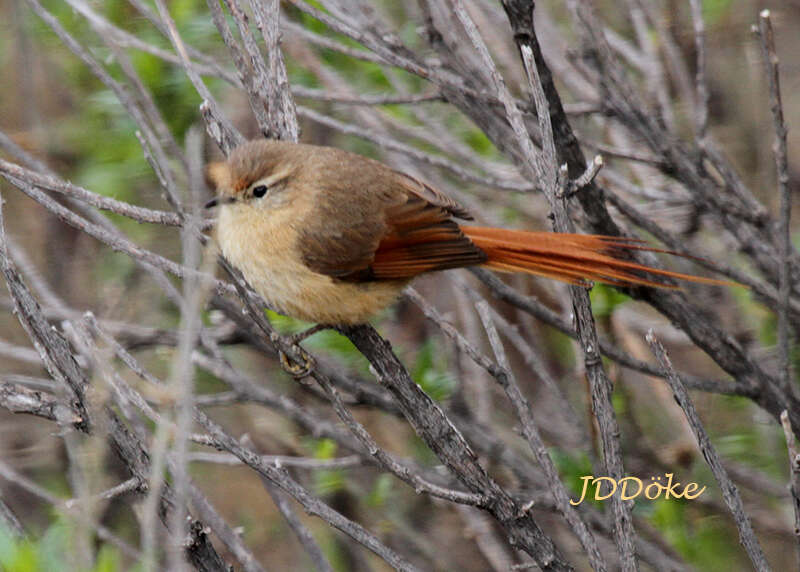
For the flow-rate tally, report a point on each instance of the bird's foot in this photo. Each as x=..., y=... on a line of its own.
x=300, y=364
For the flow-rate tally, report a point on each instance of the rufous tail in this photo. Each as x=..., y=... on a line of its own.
x=574, y=258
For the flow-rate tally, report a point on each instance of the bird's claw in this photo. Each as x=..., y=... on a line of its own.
x=299, y=365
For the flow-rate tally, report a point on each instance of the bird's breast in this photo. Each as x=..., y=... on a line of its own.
x=264, y=247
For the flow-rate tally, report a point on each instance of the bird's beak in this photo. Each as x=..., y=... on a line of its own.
x=217, y=201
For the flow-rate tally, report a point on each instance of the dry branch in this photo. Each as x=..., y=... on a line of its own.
x=626, y=87
x=729, y=491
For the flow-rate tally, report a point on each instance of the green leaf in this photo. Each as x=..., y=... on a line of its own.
x=606, y=299
x=108, y=560
x=381, y=491
x=431, y=373
x=571, y=468
x=325, y=449
x=706, y=544
x=713, y=10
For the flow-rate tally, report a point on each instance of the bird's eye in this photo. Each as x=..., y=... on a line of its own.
x=259, y=191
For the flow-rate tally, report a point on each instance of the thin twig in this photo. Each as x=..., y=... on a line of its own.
x=249, y=62
x=311, y=504
x=52, y=183
x=600, y=384
x=283, y=114
x=182, y=378
x=545, y=166
x=387, y=462
x=31, y=487
x=131, y=484
x=522, y=409
x=19, y=399
x=55, y=353
x=232, y=540
x=729, y=491
x=416, y=154
x=701, y=88
x=367, y=99
x=304, y=536
x=218, y=126
x=794, y=476
x=309, y=463
x=147, y=258
x=627, y=154
x=770, y=56
x=125, y=98
x=588, y=176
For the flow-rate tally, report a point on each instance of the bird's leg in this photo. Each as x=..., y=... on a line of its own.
x=296, y=361
x=307, y=333
x=296, y=369
x=301, y=364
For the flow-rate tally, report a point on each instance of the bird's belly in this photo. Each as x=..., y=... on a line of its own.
x=272, y=265
x=292, y=289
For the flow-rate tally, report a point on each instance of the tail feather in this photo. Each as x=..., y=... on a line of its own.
x=574, y=258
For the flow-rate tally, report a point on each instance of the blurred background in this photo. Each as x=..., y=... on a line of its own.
x=54, y=108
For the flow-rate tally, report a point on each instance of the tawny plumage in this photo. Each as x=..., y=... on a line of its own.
x=332, y=237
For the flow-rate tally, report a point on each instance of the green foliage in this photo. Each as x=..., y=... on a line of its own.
x=381, y=491
x=706, y=544
x=108, y=560
x=301, y=75
x=561, y=346
x=113, y=163
x=479, y=142
x=510, y=216
x=713, y=10
x=327, y=481
x=768, y=332
x=764, y=320
x=755, y=313
x=605, y=300
x=431, y=372
x=422, y=452
x=327, y=340
x=620, y=402
x=47, y=552
x=572, y=468
x=324, y=448
x=757, y=446
x=334, y=551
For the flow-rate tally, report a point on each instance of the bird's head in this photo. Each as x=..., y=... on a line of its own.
x=254, y=174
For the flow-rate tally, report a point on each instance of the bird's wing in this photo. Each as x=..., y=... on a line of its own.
x=394, y=230
x=432, y=195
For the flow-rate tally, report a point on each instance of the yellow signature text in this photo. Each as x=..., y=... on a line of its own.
x=632, y=487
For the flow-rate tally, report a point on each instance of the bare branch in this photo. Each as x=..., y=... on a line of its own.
x=523, y=412
x=52, y=183
x=770, y=56
x=219, y=128
x=102, y=532
x=125, y=98
x=701, y=88
x=313, y=506
x=282, y=110
x=794, y=474
x=546, y=167
x=729, y=492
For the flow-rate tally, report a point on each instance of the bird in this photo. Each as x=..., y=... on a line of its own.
x=333, y=237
